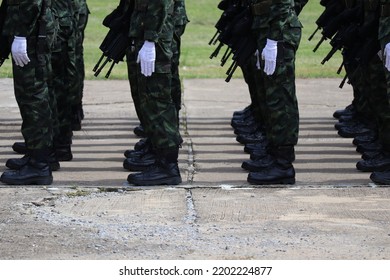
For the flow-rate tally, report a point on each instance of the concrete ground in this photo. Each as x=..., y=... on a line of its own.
x=90, y=212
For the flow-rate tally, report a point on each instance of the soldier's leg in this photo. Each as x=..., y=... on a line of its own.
x=160, y=120
x=383, y=177
x=77, y=107
x=283, y=119
x=246, y=125
x=132, y=68
x=32, y=96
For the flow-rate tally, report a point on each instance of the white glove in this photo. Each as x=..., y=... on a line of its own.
x=269, y=55
x=147, y=58
x=387, y=56
x=19, y=51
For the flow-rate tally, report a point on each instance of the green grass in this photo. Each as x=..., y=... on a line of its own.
x=195, y=61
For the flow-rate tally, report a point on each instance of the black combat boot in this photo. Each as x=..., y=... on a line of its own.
x=17, y=163
x=380, y=162
x=140, y=148
x=257, y=137
x=246, y=111
x=261, y=160
x=63, y=152
x=381, y=178
x=20, y=148
x=349, y=110
x=165, y=171
x=280, y=171
x=35, y=172
x=356, y=130
x=139, y=131
x=140, y=161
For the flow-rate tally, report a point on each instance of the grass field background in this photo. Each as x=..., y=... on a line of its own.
x=195, y=61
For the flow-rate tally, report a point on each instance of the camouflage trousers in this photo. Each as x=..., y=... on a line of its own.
x=250, y=76
x=359, y=86
x=79, y=53
x=277, y=93
x=132, y=68
x=372, y=82
x=176, y=82
x=32, y=96
x=156, y=105
x=64, y=84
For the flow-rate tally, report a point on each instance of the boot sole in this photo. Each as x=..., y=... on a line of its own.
x=166, y=181
x=31, y=181
x=286, y=181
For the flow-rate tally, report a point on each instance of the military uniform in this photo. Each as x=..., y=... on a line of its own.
x=23, y=19
x=152, y=21
x=383, y=177
x=277, y=20
x=180, y=22
x=65, y=78
x=81, y=24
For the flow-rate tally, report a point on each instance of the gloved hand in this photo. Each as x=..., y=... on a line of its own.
x=387, y=56
x=269, y=55
x=19, y=51
x=147, y=58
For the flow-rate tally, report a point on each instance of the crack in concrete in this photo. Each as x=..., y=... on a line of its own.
x=190, y=148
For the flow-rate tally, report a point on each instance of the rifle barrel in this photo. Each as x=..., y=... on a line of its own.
x=319, y=43
x=314, y=33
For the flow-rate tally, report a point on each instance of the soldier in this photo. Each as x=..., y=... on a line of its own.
x=278, y=32
x=29, y=26
x=64, y=79
x=247, y=123
x=383, y=177
x=152, y=29
x=141, y=159
x=180, y=22
x=81, y=24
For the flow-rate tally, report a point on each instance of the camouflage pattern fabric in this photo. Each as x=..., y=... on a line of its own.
x=257, y=104
x=384, y=38
x=64, y=83
x=81, y=25
x=180, y=22
x=30, y=81
x=279, y=23
x=157, y=108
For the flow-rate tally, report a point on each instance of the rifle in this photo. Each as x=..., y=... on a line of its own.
x=332, y=9
x=116, y=42
x=234, y=31
x=5, y=48
x=346, y=37
x=230, y=10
